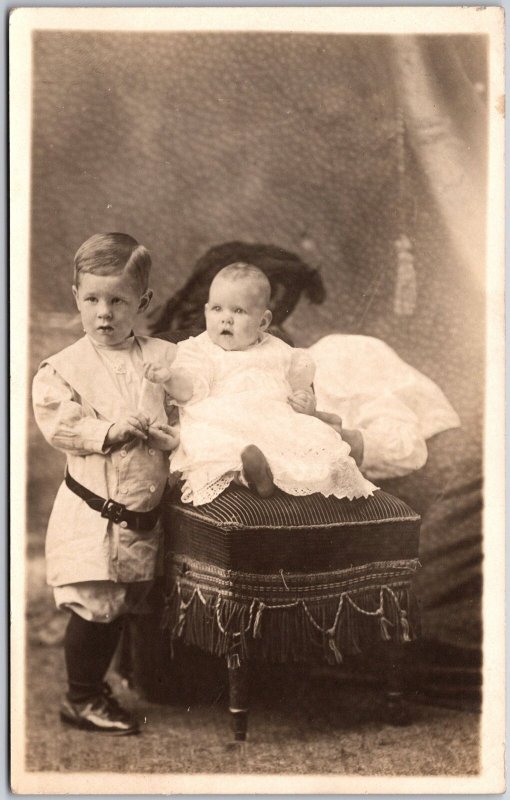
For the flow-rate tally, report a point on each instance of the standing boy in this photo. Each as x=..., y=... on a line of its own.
x=92, y=402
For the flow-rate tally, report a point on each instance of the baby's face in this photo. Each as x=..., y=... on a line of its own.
x=235, y=314
x=108, y=305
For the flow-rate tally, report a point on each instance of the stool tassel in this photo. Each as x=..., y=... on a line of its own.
x=406, y=637
x=258, y=622
x=334, y=649
x=385, y=634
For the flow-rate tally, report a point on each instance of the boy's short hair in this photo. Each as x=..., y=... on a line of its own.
x=114, y=254
x=241, y=270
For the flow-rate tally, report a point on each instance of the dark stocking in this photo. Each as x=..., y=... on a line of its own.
x=89, y=649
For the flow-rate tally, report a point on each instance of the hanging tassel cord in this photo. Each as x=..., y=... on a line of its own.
x=294, y=630
x=405, y=297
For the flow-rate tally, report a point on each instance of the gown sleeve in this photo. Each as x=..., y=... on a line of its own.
x=61, y=417
x=393, y=443
x=195, y=363
x=301, y=370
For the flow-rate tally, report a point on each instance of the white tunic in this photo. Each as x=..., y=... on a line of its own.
x=77, y=395
x=240, y=398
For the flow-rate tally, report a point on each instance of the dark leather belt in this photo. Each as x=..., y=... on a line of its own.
x=116, y=512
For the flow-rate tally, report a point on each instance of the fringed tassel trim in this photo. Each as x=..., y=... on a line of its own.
x=292, y=631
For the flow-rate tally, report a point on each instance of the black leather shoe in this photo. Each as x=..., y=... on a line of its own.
x=101, y=714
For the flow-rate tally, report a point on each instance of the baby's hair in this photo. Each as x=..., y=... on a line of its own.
x=114, y=254
x=240, y=270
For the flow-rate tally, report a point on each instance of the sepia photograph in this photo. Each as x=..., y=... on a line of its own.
x=257, y=395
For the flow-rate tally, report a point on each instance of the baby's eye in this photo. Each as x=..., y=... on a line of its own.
x=215, y=308
x=239, y=311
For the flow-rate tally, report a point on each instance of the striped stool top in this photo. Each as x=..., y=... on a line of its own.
x=313, y=533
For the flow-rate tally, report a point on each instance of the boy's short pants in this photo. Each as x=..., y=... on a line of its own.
x=103, y=601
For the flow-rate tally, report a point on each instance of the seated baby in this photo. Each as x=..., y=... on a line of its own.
x=246, y=404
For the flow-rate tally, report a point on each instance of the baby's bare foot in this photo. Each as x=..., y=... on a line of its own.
x=256, y=471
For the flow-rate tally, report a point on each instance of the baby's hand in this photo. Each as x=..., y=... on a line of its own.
x=132, y=426
x=156, y=373
x=303, y=401
x=163, y=437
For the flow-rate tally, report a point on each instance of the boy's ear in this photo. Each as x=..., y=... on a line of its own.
x=75, y=295
x=145, y=301
x=266, y=320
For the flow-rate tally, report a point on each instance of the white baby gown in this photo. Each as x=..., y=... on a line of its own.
x=241, y=397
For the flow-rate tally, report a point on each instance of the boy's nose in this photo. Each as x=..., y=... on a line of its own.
x=104, y=311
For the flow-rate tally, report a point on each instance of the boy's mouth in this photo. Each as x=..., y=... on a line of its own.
x=105, y=328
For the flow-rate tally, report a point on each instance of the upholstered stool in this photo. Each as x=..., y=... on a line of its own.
x=289, y=579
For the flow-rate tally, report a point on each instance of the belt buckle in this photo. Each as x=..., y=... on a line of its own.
x=112, y=510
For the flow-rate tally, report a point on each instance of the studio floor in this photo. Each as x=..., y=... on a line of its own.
x=312, y=723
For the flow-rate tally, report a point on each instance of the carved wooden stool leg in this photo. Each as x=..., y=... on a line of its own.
x=238, y=700
x=395, y=710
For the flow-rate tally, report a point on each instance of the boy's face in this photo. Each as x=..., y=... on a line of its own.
x=108, y=305
x=235, y=314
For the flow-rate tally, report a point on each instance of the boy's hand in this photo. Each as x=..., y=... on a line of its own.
x=156, y=373
x=163, y=437
x=132, y=426
x=303, y=401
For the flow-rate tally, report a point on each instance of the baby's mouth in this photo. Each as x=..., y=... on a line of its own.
x=226, y=333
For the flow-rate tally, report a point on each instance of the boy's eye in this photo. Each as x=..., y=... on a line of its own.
x=91, y=299
x=117, y=300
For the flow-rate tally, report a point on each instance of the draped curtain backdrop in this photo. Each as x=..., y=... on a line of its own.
x=331, y=146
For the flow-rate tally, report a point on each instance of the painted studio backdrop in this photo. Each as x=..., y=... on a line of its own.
x=363, y=155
